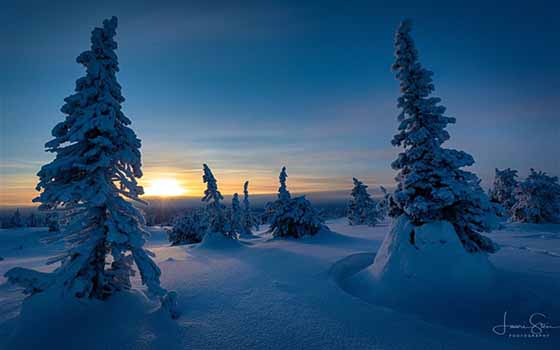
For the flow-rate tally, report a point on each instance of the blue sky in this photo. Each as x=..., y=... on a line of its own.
x=250, y=86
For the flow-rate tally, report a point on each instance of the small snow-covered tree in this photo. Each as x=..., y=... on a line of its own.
x=17, y=220
x=431, y=185
x=216, y=211
x=97, y=164
x=248, y=221
x=537, y=199
x=189, y=228
x=292, y=217
x=503, y=191
x=236, y=215
x=362, y=209
x=383, y=204
x=283, y=193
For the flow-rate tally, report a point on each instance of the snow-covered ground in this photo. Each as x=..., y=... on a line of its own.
x=312, y=293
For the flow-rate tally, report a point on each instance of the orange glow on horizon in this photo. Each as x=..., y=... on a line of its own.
x=165, y=187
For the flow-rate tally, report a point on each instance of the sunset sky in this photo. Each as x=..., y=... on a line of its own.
x=249, y=87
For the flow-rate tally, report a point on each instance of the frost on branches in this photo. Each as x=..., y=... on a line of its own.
x=217, y=219
x=431, y=185
x=97, y=163
x=292, y=217
x=189, y=228
x=248, y=221
x=362, y=210
x=537, y=199
x=503, y=191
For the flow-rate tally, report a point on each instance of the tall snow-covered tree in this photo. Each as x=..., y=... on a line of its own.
x=216, y=211
x=537, y=199
x=248, y=221
x=362, y=209
x=292, y=217
x=431, y=185
x=96, y=167
x=236, y=215
x=503, y=191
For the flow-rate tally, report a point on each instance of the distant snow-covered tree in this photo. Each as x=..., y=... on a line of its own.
x=503, y=190
x=17, y=220
x=189, y=228
x=217, y=219
x=292, y=217
x=34, y=220
x=283, y=193
x=248, y=221
x=431, y=185
x=537, y=199
x=97, y=164
x=362, y=209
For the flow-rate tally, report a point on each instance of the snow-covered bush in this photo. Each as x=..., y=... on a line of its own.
x=503, y=190
x=97, y=164
x=537, y=199
x=431, y=186
x=218, y=221
x=362, y=210
x=189, y=228
x=292, y=217
x=248, y=221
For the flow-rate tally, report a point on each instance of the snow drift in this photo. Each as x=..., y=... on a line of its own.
x=429, y=258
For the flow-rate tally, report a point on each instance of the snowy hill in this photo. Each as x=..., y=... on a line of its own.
x=269, y=293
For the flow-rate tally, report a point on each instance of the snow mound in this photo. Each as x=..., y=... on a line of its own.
x=216, y=240
x=430, y=258
x=54, y=320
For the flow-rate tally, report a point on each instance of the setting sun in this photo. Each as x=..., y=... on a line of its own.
x=164, y=188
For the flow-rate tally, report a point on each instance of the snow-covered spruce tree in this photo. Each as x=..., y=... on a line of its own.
x=362, y=210
x=97, y=164
x=431, y=186
x=236, y=215
x=248, y=221
x=537, y=199
x=503, y=191
x=292, y=217
x=217, y=219
x=189, y=228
